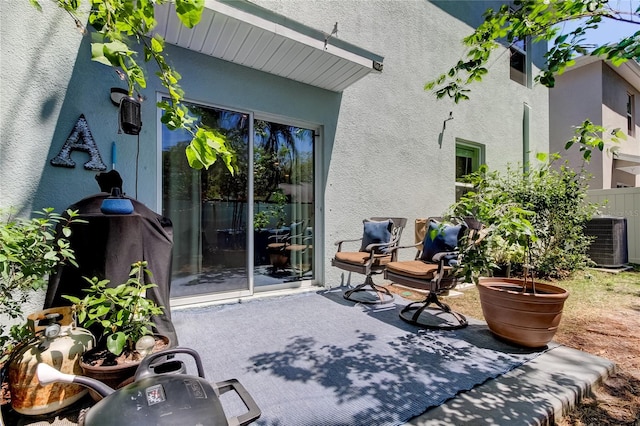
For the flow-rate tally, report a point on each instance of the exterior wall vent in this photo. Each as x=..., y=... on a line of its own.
x=609, y=248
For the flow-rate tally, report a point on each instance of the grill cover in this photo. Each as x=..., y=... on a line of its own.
x=106, y=247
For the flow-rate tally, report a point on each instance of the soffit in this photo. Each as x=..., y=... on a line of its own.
x=628, y=163
x=245, y=34
x=629, y=70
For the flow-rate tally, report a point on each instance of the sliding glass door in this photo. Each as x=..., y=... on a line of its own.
x=283, y=203
x=207, y=209
x=250, y=231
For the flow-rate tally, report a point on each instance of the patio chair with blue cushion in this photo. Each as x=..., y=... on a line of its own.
x=431, y=271
x=380, y=236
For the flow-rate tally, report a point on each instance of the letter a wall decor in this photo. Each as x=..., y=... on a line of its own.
x=80, y=139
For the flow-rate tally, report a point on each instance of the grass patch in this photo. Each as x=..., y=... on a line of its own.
x=590, y=291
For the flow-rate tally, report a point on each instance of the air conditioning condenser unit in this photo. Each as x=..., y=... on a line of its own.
x=609, y=248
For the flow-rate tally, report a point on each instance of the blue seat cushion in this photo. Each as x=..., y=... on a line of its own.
x=376, y=232
x=441, y=238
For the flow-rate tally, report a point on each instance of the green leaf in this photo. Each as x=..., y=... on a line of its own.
x=619, y=134
x=157, y=44
x=51, y=255
x=542, y=156
x=189, y=11
x=618, y=60
x=72, y=299
x=116, y=343
x=193, y=158
x=97, y=54
x=102, y=310
x=35, y=4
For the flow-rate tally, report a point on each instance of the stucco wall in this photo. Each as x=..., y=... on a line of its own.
x=595, y=91
x=576, y=96
x=37, y=57
x=389, y=156
x=384, y=150
x=36, y=64
x=85, y=90
x=614, y=116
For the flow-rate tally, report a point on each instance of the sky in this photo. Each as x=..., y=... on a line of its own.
x=609, y=30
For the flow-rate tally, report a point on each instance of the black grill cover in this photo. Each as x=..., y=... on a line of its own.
x=106, y=247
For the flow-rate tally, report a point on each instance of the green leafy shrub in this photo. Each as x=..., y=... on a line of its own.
x=533, y=219
x=123, y=313
x=30, y=250
x=558, y=196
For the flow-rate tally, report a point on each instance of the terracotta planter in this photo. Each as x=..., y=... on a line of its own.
x=114, y=376
x=111, y=375
x=518, y=317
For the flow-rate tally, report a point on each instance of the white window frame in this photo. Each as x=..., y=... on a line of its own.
x=631, y=122
x=514, y=48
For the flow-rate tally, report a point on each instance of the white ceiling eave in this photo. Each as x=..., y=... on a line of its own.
x=628, y=163
x=261, y=43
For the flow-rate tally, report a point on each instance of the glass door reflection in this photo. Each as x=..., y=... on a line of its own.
x=208, y=209
x=213, y=228
x=283, y=162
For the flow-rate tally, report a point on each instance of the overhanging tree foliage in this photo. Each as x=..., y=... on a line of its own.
x=118, y=26
x=540, y=21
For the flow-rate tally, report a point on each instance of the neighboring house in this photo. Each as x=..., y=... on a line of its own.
x=338, y=122
x=609, y=96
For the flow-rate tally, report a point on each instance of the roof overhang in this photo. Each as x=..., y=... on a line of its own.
x=246, y=34
x=629, y=70
x=628, y=163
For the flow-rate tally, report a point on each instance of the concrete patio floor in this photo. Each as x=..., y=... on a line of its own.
x=536, y=393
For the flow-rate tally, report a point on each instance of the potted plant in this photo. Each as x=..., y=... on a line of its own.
x=531, y=218
x=30, y=250
x=121, y=319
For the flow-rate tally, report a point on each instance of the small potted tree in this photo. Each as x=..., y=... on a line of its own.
x=536, y=216
x=120, y=317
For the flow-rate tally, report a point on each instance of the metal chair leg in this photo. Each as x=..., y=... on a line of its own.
x=383, y=294
x=411, y=314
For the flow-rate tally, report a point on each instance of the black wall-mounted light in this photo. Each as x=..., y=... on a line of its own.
x=130, y=120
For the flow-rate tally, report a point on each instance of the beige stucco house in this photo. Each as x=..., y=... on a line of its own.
x=609, y=96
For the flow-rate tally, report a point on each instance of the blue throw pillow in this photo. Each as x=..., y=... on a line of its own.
x=376, y=233
x=440, y=238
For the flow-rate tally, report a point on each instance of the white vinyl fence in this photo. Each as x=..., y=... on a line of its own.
x=622, y=202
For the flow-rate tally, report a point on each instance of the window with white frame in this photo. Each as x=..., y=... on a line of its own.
x=518, y=61
x=469, y=156
x=631, y=125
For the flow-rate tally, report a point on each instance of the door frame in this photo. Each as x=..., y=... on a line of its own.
x=318, y=227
